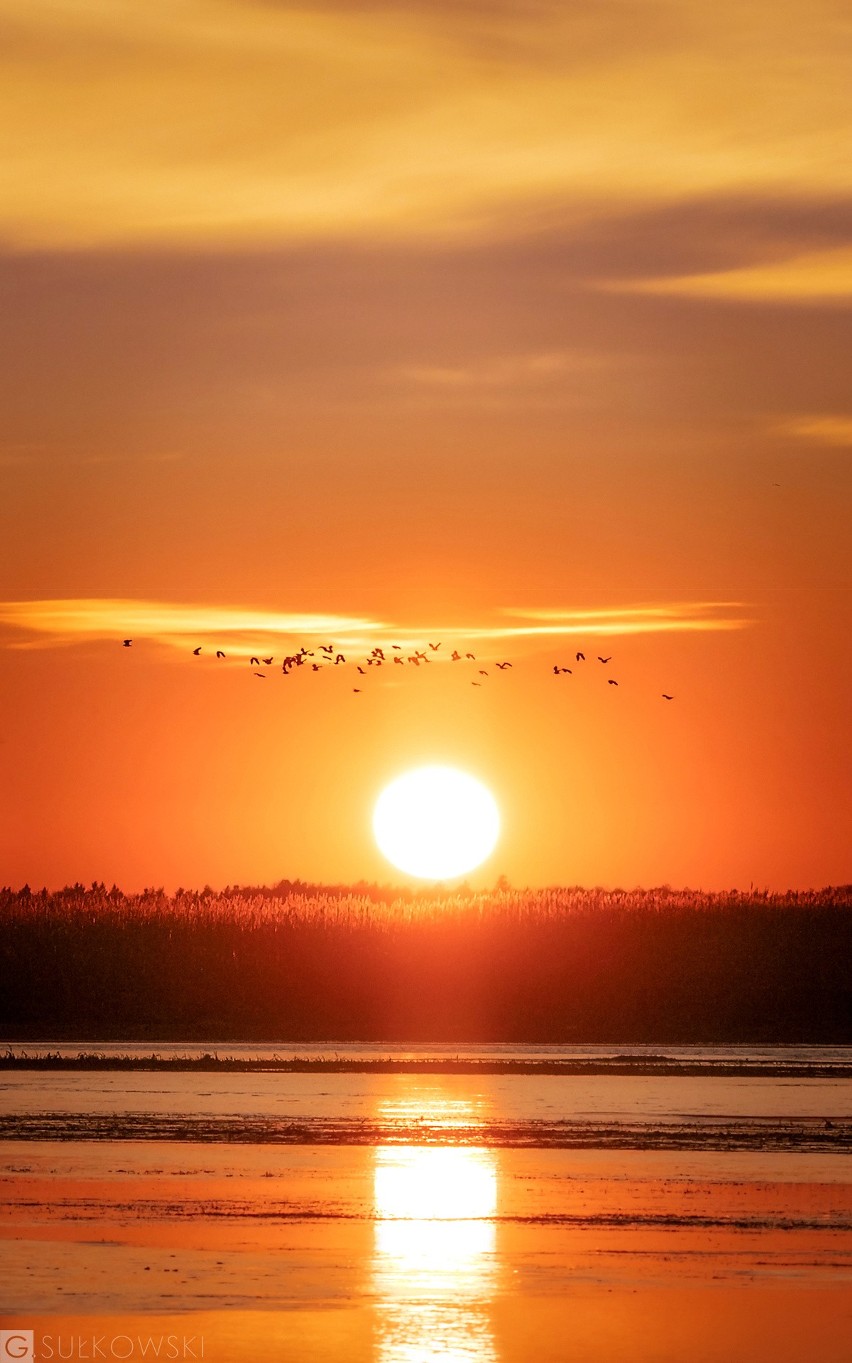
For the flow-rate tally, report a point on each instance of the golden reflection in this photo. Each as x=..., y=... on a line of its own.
x=434, y=1262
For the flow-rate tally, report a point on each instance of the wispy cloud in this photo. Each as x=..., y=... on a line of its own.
x=405, y=118
x=835, y=431
x=818, y=276
x=63, y=622
x=644, y=619
x=501, y=371
x=82, y=620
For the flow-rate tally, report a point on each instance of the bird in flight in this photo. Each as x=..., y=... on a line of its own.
x=665, y=697
x=254, y=662
x=581, y=657
x=127, y=642
x=401, y=661
x=476, y=683
x=262, y=675
x=219, y=653
x=604, y=660
x=482, y=672
x=612, y=683
x=502, y=665
x=339, y=659
x=196, y=651
x=435, y=647
x=557, y=670
x=471, y=656
x=455, y=656
x=356, y=690
x=269, y=661
x=361, y=670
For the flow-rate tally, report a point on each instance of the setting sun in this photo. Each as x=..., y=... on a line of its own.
x=436, y=823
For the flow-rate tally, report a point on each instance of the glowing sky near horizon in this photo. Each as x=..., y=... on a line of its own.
x=525, y=324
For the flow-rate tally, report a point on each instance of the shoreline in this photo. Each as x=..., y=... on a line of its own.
x=619, y=1065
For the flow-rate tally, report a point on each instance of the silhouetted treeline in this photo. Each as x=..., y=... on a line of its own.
x=297, y=962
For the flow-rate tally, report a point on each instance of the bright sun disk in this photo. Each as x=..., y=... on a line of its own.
x=436, y=823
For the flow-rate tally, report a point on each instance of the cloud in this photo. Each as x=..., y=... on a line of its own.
x=816, y=277
x=835, y=431
x=542, y=378
x=661, y=618
x=55, y=623
x=85, y=620
x=238, y=122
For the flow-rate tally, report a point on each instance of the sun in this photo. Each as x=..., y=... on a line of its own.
x=436, y=823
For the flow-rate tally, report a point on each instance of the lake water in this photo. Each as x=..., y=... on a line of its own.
x=399, y=1218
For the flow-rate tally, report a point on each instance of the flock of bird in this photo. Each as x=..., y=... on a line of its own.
x=328, y=655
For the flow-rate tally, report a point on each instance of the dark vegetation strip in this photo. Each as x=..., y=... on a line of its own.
x=301, y=963
x=791, y=1134
x=212, y=1064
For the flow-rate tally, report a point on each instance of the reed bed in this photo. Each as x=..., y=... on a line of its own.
x=299, y=962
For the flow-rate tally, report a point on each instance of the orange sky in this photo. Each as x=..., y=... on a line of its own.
x=518, y=324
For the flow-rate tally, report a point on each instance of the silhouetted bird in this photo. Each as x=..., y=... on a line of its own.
x=316, y=667
x=471, y=656
x=476, y=683
x=665, y=697
x=262, y=675
x=339, y=659
x=401, y=661
x=414, y=659
x=254, y=662
x=612, y=683
x=196, y=651
x=219, y=653
x=581, y=657
x=502, y=665
x=455, y=657
x=127, y=642
x=482, y=672
x=361, y=670
x=435, y=647
x=269, y=661
x=356, y=690
x=326, y=648
x=555, y=670
x=399, y=646
x=604, y=660
x=566, y=669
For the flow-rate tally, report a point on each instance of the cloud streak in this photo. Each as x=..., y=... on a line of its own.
x=60, y=623
x=833, y=431
x=823, y=277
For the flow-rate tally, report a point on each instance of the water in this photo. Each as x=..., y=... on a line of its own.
x=406, y=1217
x=699, y=1108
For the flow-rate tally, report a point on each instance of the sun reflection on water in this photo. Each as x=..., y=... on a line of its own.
x=434, y=1261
